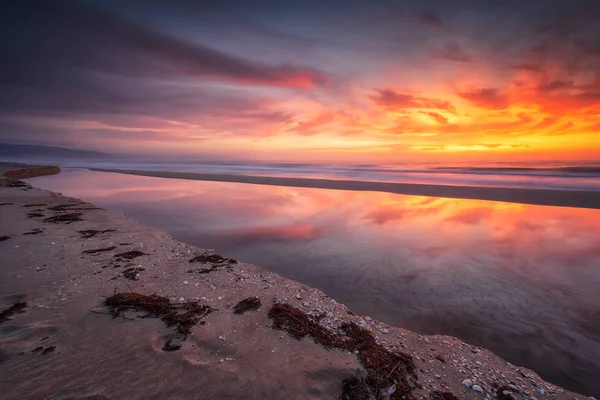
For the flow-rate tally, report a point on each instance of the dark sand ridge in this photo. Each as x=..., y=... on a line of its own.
x=559, y=198
x=24, y=171
x=66, y=343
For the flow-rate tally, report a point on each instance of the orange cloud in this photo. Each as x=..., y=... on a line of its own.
x=391, y=99
x=315, y=124
x=437, y=117
x=489, y=98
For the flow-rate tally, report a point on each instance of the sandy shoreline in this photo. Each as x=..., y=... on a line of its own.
x=558, y=198
x=64, y=271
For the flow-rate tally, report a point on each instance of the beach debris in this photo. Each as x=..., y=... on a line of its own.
x=35, y=231
x=439, y=395
x=182, y=316
x=3, y=238
x=383, y=367
x=505, y=392
x=6, y=204
x=133, y=273
x=102, y=250
x=12, y=310
x=14, y=183
x=477, y=388
x=129, y=255
x=356, y=388
x=66, y=218
x=299, y=324
x=71, y=207
x=440, y=357
x=168, y=346
x=90, y=233
x=468, y=383
x=216, y=260
x=34, y=205
x=203, y=270
x=44, y=350
x=212, y=258
x=250, y=303
x=34, y=214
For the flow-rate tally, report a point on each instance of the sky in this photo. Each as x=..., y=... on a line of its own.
x=305, y=81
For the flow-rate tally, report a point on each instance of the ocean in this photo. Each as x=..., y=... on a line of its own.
x=582, y=176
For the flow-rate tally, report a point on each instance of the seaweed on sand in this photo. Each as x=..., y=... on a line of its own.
x=34, y=214
x=129, y=255
x=102, y=250
x=133, y=273
x=35, y=231
x=356, y=388
x=69, y=207
x=66, y=218
x=203, y=270
x=168, y=346
x=385, y=369
x=439, y=395
x=216, y=260
x=250, y=303
x=212, y=258
x=500, y=392
x=12, y=310
x=3, y=238
x=90, y=233
x=183, y=316
x=299, y=324
x=44, y=350
x=14, y=183
x=387, y=373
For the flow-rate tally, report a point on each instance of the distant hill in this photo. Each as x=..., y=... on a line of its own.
x=35, y=151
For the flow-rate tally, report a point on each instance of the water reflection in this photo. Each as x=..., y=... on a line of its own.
x=521, y=280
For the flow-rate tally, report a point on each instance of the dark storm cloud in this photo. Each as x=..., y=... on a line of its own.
x=452, y=51
x=86, y=95
x=431, y=19
x=61, y=55
x=68, y=34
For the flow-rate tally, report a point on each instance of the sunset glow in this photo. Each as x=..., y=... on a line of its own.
x=363, y=82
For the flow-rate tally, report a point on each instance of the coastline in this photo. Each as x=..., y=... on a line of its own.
x=62, y=275
x=544, y=197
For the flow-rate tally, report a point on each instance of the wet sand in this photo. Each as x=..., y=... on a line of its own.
x=558, y=198
x=65, y=257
